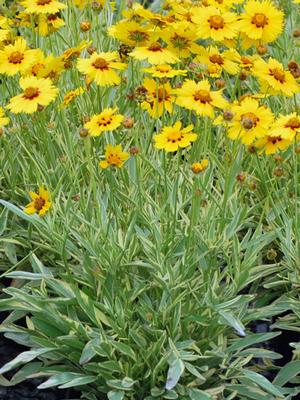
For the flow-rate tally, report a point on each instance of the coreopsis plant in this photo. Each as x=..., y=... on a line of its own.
x=166, y=137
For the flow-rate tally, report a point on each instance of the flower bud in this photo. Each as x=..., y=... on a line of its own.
x=220, y=83
x=83, y=132
x=128, y=122
x=262, y=50
x=296, y=33
x=271, y=254
x=85, y=26
x=91, y=50
x=278, y=171
x=134, y=150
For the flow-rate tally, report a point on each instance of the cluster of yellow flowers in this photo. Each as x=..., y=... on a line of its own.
x=192, y=55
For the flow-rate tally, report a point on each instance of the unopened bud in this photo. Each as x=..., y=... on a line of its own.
x=83, y=132
x=128, y=122
x=278, y=171
x=85, y=26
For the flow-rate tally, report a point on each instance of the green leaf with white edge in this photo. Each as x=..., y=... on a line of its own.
x=17, y=211
x=23, y=358
x=175, y=371
x=197, y=394
x=24, y=373
x=287, y=372
x=80, y=381
x=115, y=395
x=31, y=276
x=250, y=340
x=124, y=349
x=263, y=383
x=89, y=352
x=228, y=318
x=59, y=379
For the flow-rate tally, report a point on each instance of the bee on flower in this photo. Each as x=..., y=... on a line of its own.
x=174, y=137
x=114, y=157
x=40, y=203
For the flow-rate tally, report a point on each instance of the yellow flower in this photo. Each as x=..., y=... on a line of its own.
x=101, y=67
x=4, y=28
x=287, y=126
x=70, y=96
x=173, y=137
x=114, y=156
x=199, y=97
x=250, y=121
x=35, y=92
x=154, y=53
x=40, y=202
x=261, y=20
x=107, y=120
x=164, y=71
x=16, y=57
x=274, y=79
x=273, y=142
x=42, y=6
x=159, y=98
x=214, y=23
x=130, y=33
x=3, y=120
x=217, y=61
x=49, y=23
x=180, y=38
x=74, y=52
x=137, y=13
x=198, y=167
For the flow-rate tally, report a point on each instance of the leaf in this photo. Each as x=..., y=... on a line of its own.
x=23, y=358
x=124, y=349
x=19, y=212
x=263, y=382
x=58, y=379
x=248, y=341
x=23, y=374
x=27, y=275
x=286, y=373
x=231, y=320
x=197, y=394
x=175, y=371
x=83, y=380
x=115, y=395
x=88, y=352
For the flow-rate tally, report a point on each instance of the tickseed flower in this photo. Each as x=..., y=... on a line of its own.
x=42, y=6
x=173, y=137
x=4, y=28
x=101, y=67
x=3, y=120
x=130, y=33
x=45, y=67
x=217, y=61
x=154, y=53
x=74, y=52
x=274, y=79
x=107, y=120
x=250, y=121
x=287, y=126
x=201, y=166
x=40, y=202
x=216, y=24
x=199, y=97
x=70, y=96
x=158, y=98
x=48, y=23
x=164, y=71
x=261, y=20
x=35, y=92
x=273, y=142
x=16, y=57
x=114, y=157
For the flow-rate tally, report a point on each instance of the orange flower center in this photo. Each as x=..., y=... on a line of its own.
x=39, y=203
x=293, y=123
x=104, y=121
x=175, y=137
x=216, y=22
x=100, y=63
x=35, y=69
x=16, y=57
x=114, y=159
x=155, y=47
x=179, y=42
x=278, y=74
x=30, y=93
x=249, y=120
x=43, y=2
x=216, y=59
x=138, y=36
x=203, y=96
x=274, y=139
x=163, y=68
x=260, y=20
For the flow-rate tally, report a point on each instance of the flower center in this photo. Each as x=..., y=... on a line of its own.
x=161, y=95
x=104, y=121
x=100, y=63
x=155, y=47
x=16, y=57
x=216, y=22
x=113, y=159
x=175, y=137
x=203, y=96
x=278, y=74
x=35, y=69
x=43, y=2
x=163, y=68
x=52, y=17
x=216, y=59
x=274, y=139
x=39, y=203
x=249, y=120
x=259, y=20
x=30, y=93
x=293, y=123
x=179, y=42
x=138, y=36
